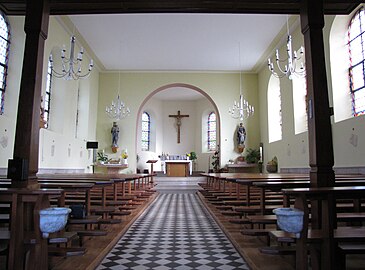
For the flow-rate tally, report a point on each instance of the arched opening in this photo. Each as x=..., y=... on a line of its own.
x=162, y=105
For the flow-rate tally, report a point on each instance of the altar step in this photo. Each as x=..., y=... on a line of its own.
x=194, y=174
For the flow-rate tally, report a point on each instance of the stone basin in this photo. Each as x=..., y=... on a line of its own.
x=53, y=219
x=290, y=220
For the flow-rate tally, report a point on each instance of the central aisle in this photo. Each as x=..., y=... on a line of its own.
x=175, y=232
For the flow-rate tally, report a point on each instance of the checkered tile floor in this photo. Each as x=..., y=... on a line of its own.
x=176, y=232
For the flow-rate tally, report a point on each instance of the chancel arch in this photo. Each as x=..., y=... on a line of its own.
x=195, y=105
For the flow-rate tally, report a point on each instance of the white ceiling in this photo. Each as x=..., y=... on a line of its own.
x=179, y=42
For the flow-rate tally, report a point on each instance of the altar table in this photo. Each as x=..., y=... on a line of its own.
x=179, y=168
x=111, y=168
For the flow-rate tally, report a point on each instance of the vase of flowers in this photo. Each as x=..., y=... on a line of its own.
x=124, y=157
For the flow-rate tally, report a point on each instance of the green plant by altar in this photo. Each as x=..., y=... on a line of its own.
x=252, y=156
x=192, y=155
x=102, y=157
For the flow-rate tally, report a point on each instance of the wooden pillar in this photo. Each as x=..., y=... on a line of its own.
x=319, y=123
x=27, y=126
x=321, y=158
x=24, y=166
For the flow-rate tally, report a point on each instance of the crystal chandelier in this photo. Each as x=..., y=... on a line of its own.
x=117, y=110
x=241, y=109
x=293, y=64
x=71, y=67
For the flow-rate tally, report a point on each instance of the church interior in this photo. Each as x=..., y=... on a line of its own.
x=101, y=101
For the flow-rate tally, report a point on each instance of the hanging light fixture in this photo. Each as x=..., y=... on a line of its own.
x=293, y=64
x=241, y=109
x=117, y=110
x=71, y=67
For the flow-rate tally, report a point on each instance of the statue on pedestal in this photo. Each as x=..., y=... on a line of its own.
x=241, y=137
x=115, y=137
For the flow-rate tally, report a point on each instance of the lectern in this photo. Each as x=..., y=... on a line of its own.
x=151, y=161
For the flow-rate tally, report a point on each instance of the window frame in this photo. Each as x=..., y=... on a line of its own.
x=5, y=64
x=48, y=94
x=354, y=89
x=148, y=141
x=210, y=132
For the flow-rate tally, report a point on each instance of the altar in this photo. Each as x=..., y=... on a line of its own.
x=177, y=168
x=110, y=168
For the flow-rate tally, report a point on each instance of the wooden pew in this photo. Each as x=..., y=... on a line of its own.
x=326, y=235
x=279, y=185
x=138, y=183
x=22, y=239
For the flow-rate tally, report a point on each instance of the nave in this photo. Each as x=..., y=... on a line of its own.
x=175, y=232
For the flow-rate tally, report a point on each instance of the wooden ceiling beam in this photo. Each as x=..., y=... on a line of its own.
x=69, y=7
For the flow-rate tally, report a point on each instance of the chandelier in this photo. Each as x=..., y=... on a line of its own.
x=71, y=67
x=241, y=109
x=292, y=65
x=117, y=110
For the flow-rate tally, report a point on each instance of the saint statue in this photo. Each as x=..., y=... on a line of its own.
x=115, y=134
x=241, y=135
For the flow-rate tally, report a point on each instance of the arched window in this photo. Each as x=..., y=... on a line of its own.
x=4, y=53
x=300, y=104
x=47, y=97
x=274, y=109
x=356, y=47
x=146, y=131
x=212, y=132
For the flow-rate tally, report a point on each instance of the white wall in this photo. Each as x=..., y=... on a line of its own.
x=187, y=129
x=154, y=108
x=138, y=87
x=8, y=118
x=60, y=146
x=165, y=131
x=292, y=150
x=63, y=145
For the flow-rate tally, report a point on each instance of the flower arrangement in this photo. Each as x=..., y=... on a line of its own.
x=124, y=155
x=192, y=156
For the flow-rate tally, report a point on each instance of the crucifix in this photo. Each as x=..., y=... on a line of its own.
x=178, y=117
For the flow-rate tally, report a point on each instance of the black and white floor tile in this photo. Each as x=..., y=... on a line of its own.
x=175, y=232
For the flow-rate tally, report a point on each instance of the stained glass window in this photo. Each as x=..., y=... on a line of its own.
x=212, y=132
x=47, y=97
x=146, y=131
x=356, y=46
x=4, y=53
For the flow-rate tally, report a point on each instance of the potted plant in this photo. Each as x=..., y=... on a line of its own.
x=102, y=158
x=272, y=165
x=252, y=156
x=216, y=161
x=192, y=156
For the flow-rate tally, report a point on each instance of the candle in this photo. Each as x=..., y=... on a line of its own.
x=260, y=153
